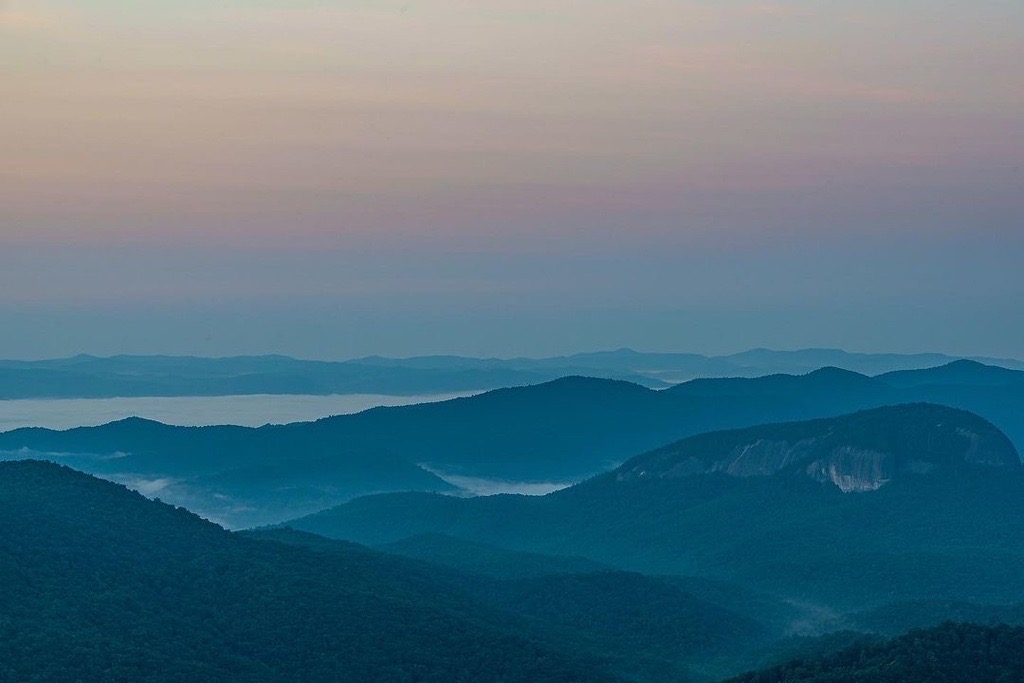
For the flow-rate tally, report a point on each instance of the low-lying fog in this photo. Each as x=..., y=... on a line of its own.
x=479, y=486
x=248, y=411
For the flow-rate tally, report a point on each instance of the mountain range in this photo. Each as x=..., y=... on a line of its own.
x=892, y=503
x=557, y=432
x=103, y=584
x=125, y=376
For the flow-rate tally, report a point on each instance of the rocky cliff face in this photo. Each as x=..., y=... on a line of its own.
x=854, y=469
x=856, y=453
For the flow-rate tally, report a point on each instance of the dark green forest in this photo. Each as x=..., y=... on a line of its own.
x=650, y=573
x=104, y=585
x=950, y=653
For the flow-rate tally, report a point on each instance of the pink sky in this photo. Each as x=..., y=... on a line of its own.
x=399, y=133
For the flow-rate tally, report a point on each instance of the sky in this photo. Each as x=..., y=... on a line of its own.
x=336, y=179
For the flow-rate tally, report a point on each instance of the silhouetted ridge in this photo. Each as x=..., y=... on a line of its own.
x=584, y=383
x=832, y=383
x=125, y=375
x=566, y=429
x=830, y=372
x=960, y=372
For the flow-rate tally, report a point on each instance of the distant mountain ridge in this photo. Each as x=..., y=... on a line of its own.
x=560, y=431
x=88, y=376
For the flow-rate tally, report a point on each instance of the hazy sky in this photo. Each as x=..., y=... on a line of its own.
x=330, y=179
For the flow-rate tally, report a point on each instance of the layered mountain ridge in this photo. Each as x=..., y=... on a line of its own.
x=101, y=584
x=844, y=511
x=678, y=565
x=560, y=431
x=86, y=376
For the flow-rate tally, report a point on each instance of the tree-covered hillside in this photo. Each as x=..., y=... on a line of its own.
x=914, y=537
x=645, y=628
x=950, y=653
x=858, y=452
x=489, y=560
x=101, y=584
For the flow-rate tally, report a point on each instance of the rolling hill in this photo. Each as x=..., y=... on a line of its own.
x=646, y=628
x=488, y=560
x=949, y=504
x=859, y=452
x=104, y=585
x=561, y=431
x=944, y=654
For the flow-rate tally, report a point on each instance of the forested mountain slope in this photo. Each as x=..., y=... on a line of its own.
x=950, y=653
x=561, y=431
x=936, y=495
x=104, y=585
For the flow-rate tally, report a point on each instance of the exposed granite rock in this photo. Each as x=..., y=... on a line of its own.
x=856, y=453
x=854, y=469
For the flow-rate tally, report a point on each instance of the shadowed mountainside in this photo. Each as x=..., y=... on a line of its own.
x=559, y=431
x=859, y=452
x=950, y=506
x=950, y=652
x=102, y=584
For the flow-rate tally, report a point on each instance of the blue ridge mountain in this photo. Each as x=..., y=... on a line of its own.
x=558, y=432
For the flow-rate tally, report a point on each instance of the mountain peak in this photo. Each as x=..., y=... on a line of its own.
x=137, y=422
x=582, y=382
x=962, y=371
x=857, y=452
x=964, y=364
x=831, y=372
